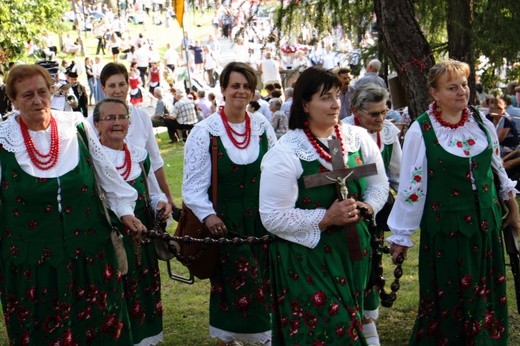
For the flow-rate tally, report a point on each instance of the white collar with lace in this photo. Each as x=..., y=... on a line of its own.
x=296, y=141
x=215, y=126
x=11, y=137
x=137, y=154
x=388, y=133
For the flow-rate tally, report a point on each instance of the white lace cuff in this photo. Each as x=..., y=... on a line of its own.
x=400, y=239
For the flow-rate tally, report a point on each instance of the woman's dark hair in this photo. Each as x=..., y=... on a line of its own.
x=255, y=105
x=311, y=81
x=242, y=68
x=110, y=69
x=276, y=93
x=96, y=115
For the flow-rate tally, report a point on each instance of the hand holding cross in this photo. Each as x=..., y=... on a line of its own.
x=340, y=175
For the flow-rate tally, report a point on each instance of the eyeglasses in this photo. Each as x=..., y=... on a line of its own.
x=376, y=114
x=113, y=117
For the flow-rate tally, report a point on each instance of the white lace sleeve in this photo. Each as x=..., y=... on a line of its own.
x=278, y=194
x=156, y=195
x=151, y=144
x=120, y=196
x=141, y=134
x=271, y=135
x=395, y=165
x=197, y=173
x=376, y=193
x=407, y=211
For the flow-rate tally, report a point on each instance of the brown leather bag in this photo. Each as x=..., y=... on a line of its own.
x=201, y=259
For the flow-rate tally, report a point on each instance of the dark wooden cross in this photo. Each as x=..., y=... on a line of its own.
x=339, y=176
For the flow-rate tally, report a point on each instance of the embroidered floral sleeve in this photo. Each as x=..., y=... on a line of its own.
x=408, y=208
x=414, y=190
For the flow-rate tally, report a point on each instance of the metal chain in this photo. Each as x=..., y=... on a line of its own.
x=172, y=241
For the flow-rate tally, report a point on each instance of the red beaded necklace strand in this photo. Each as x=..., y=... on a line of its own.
x=321, y=152
x=438, y=116
x=43, y=162
x=244, y=143
x=378, y=133
x=126, y=167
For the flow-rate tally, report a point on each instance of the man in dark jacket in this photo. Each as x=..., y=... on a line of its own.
x=80, y=92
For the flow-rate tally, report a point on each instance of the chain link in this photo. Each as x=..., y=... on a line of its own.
x=172, y=242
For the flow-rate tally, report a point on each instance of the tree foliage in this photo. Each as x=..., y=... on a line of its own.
x=490, y=28
x=24, y=20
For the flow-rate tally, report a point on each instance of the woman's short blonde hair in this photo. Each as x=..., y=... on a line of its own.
x=449, y=68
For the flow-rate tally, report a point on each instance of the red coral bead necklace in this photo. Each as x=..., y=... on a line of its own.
x=314, y=141
x=126, y=167
x=233, y=134
x=47, y=161
x=438, y=116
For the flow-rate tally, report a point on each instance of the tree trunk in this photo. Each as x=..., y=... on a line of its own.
x=459, y=17
x=408, y=50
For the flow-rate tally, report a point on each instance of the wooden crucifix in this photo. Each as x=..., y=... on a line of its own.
x=339, y=176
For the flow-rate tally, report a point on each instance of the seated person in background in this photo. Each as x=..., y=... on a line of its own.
x=70, y=46
x=183, y=113
x=506, y=129
x=512, y=164
x=392, y=115
x=163, y=113
x=510, y=109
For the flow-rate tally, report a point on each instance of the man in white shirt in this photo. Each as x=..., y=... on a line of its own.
x=170, y=57
x=142, y=57
x=270, y=70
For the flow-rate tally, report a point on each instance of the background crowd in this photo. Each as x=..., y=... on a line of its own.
x=264, y=96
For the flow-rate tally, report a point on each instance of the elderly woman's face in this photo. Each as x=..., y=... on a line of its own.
x=451, y=94
x=112, y=124
x=372, y=117
x=33, y=98
x=323, y=110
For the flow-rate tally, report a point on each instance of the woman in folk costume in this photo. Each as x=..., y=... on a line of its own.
x=447, y=189
x=369, y=109
x=155, y=78
x=321, y=257
x=239, y=300
x=134, y=82
x=59, y=278
x=142, y=283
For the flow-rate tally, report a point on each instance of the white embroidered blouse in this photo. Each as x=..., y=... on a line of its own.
x=465, y=141
x=120, y=196
x=197, y=157
x=138, y=154
x=281, y=169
